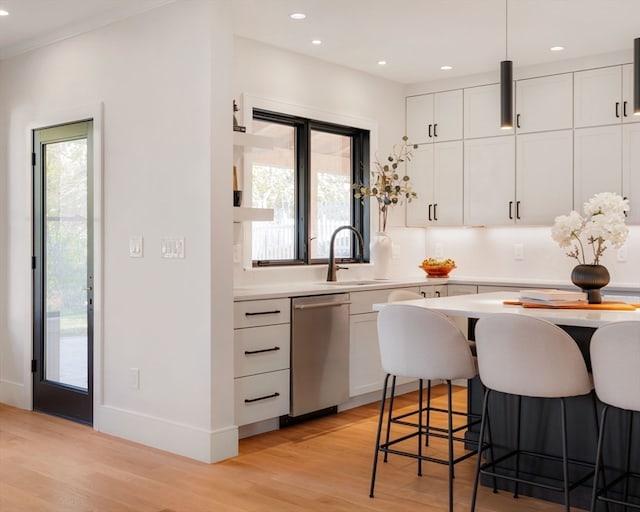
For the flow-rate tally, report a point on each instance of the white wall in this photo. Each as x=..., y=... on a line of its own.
x=153, y=74
x=300, y=84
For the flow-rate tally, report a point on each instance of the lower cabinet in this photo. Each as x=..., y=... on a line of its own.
x=262, y=350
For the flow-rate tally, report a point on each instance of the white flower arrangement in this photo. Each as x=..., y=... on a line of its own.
x=604, y=222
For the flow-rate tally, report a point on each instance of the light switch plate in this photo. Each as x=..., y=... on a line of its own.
x=172, y=247
x=136, y=246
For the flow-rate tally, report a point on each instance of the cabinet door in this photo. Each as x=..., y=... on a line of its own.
x=631, y=170
x=447, y=116
x=544, y=178
x=419, y=112
x=627, y=95
x=365, y=370
x=482, y=112
x=420, y=170
x=597, y=163
x=447, y=184
x=434, y=291
x=597, y=97
x=544, y=103
x=489, y=181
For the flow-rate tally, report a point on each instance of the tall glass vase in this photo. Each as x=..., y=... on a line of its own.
x=380, y=250
x=591, y=278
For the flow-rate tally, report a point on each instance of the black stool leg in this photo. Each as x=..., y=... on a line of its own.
x=628, y=462
x=420, y=431
x=518, y=423
x=565, y=465
x=450, y=440
x=391, y=400
x=597, y=469
x=483, y=423
x=380, y=417
x=428, y=411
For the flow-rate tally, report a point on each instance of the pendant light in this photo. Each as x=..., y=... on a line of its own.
x=636, y=76
x=506, y=79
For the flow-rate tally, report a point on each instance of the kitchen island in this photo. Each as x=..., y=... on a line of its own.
x=541, y=418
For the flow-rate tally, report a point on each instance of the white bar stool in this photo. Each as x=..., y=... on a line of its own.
x=426, y=345
x=615, y=362
x=526, y=356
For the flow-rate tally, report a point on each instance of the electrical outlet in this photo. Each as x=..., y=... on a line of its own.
x=518, y=252
x=439, y=250
x=136, y=246
x=622, y=254
x=134, y=378
x=172, y=248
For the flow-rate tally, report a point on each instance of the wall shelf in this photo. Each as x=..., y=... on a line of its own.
x=252, y=214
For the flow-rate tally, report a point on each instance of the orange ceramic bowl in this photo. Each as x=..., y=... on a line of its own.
x=437, y=271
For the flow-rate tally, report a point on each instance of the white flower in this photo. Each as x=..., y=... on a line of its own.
x=604, y=222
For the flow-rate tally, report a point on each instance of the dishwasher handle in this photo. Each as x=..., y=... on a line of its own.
x=317, y=305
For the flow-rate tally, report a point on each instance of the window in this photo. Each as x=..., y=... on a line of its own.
x=306, y=178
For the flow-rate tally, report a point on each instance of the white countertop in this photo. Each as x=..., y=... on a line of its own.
x=485, y=304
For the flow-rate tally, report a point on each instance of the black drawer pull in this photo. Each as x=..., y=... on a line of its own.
x=249, y=352
x=274, y=312
x=250, y=400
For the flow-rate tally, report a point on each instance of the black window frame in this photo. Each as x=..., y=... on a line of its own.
x=359, y=174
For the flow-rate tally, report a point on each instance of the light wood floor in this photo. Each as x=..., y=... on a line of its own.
x=52, y=465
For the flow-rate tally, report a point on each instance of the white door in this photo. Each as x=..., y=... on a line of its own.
x=489, y=181
x=447, y=116
x=597, y=97
x=420, y=170
x=419, y=112
x=544, y=103
x=482, y=112
x=448, y=163
x=544, y=179
x=597, y=163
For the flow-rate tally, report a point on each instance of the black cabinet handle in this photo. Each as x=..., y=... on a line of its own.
x=510, y=209
x=624, y=109
x=430, y=131
x=617, y=109
x=430, y=213
x=274, y=312
x=423, y=294
x=435, y=130
x=437, y=293
x=517, y=120
x=626, y=214
x=435, y=214
x=251, y=400
x=261, y=351
x=518, y=210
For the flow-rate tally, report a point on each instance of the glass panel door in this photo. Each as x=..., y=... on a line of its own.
x=63, y=276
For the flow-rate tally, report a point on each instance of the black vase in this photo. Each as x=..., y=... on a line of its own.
x=590, y=278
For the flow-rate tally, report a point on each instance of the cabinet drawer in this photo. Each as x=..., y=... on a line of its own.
x=261, y=349
x=361, y=302
x=260, y=397
x=253, y=313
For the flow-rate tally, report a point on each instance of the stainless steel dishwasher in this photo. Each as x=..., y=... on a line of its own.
x=319, y=352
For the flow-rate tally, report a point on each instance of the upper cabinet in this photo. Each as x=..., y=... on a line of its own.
x=544, y=103
x=603, y=96
x=434, y=117
x=482, y=112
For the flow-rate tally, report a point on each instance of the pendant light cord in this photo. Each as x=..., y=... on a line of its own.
x=506, y=29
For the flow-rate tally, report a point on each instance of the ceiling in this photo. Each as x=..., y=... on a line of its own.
x=415, y=37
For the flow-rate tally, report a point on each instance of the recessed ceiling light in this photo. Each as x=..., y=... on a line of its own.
x=382, y=63
x=556, y=48
x=446, y=68
x=297, y=16
x=4, y=13
x=316, y=41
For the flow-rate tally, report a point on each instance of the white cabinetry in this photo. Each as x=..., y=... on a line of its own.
x=631, y=170
x=482, y=112
x=436, y=174
x=261, y=359
x=433, y=291
x=603, y=96
x=544, y=176
x=434, y=117
x=489, y=181
x=544, y=103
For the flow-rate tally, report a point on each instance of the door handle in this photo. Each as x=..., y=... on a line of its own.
x=430, y=131
x=617, y=109
x=624, y=109
x=322, y=305
x=510, y=210
x=435, y=215
x=435, y=128
x=430, y=212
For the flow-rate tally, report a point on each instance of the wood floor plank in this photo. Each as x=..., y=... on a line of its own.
x=51, y=465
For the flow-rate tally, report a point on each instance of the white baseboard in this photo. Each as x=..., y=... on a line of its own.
x=14, y=394
x=193, y=442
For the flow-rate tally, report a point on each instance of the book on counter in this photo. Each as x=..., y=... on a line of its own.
x=552, y=297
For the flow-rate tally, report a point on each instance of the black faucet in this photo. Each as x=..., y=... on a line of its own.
x=331, y=271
